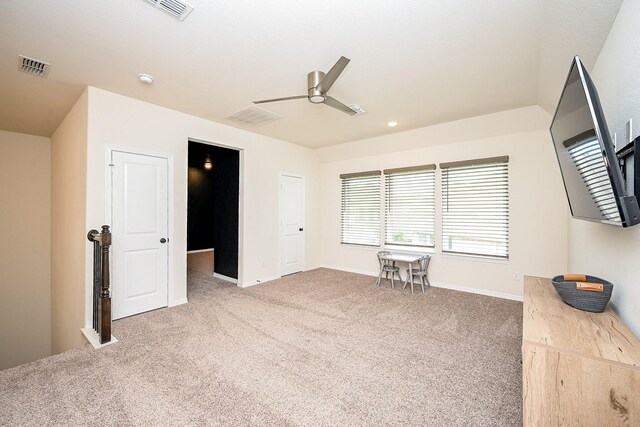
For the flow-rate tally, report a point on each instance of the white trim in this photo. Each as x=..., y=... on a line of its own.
x=171, y=234
x=352, y=270
x=304, y=219
x=94, y=339
x=413, y=250
x=476, y=258
x=108, y=207
x=241, y=180
x=179, y=301
x=257, y=281
x=438, y=285
x=226, y=278
x=215, y=144
x=200, y=250
x=477, y=291
x=434, y=284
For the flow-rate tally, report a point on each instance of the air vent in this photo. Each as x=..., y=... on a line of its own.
x=358, y=109
x=33, y=66
x=253, y=116
x=175, y=8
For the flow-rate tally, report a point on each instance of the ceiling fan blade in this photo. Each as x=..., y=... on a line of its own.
x=332, y=102
x=280, y=99
x=332, y=75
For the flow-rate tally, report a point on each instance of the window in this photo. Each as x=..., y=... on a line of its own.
x=361, y=208
x=475, y=207
x=410, y=206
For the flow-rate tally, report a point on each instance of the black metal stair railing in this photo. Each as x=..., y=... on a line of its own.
x=101, y=283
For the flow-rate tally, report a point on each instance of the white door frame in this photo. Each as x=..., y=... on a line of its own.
x=108, y=207
x=304, y=219
x=240, y=200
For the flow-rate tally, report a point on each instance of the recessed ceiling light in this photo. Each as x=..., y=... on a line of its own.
x=392, y=124
x=145, y=78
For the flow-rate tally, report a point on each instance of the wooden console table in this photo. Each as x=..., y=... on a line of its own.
x=578, y=368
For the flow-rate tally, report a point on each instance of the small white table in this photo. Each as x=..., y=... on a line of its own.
x=405, y=258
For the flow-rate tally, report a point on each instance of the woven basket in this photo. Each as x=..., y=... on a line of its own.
x=587, y=293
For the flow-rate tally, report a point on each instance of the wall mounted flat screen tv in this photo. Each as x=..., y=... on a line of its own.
x=592, y=177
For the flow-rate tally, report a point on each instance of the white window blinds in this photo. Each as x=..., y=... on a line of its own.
x=361, y=208
x=410, y=206
x=475, y=207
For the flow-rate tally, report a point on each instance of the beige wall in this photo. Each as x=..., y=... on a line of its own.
x=538, y=218
x=125, y=122
x=603, y=250
x=25, y=251
x=68, y=228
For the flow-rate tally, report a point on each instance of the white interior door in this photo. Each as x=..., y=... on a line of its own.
x=139, y=229
x=292, y=224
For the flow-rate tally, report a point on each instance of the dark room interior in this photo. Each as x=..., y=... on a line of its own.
x=212, y=217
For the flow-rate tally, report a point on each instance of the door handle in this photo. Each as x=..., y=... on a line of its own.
x=163, y=240
x=300, y=229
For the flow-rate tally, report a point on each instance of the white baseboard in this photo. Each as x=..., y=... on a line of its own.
x=352, y=270
x=225, y=278
x=178, y=302
x=257, y=282
x=438, y=284
x=200, y=250
x=268, y=279
x=476, y=291
x=93, y=338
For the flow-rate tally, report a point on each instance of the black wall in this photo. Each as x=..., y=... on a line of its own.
x=212, y=215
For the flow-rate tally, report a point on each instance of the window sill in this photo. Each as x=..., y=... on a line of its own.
x=478, y=258
x=410, y=250
x=363, y=247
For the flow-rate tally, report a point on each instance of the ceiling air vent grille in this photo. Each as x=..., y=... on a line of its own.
x=176, y=8
x=358, y=109
x=33, y=66
x=253, y=116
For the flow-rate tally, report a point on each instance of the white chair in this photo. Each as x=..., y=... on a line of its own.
x=386, y=267
x=421, y=272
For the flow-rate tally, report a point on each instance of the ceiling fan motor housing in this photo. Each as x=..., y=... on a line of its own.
x=314, y=79
x=319, y=84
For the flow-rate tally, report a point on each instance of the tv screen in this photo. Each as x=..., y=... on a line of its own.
x=589, y=166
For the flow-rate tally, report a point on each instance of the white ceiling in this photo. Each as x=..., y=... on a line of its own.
x=418, y=62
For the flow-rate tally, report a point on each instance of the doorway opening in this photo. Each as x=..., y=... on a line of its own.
x=213, y=202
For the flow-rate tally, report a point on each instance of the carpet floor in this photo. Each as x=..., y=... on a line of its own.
x=320, y=348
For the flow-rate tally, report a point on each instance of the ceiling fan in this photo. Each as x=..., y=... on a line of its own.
x=319, y=85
